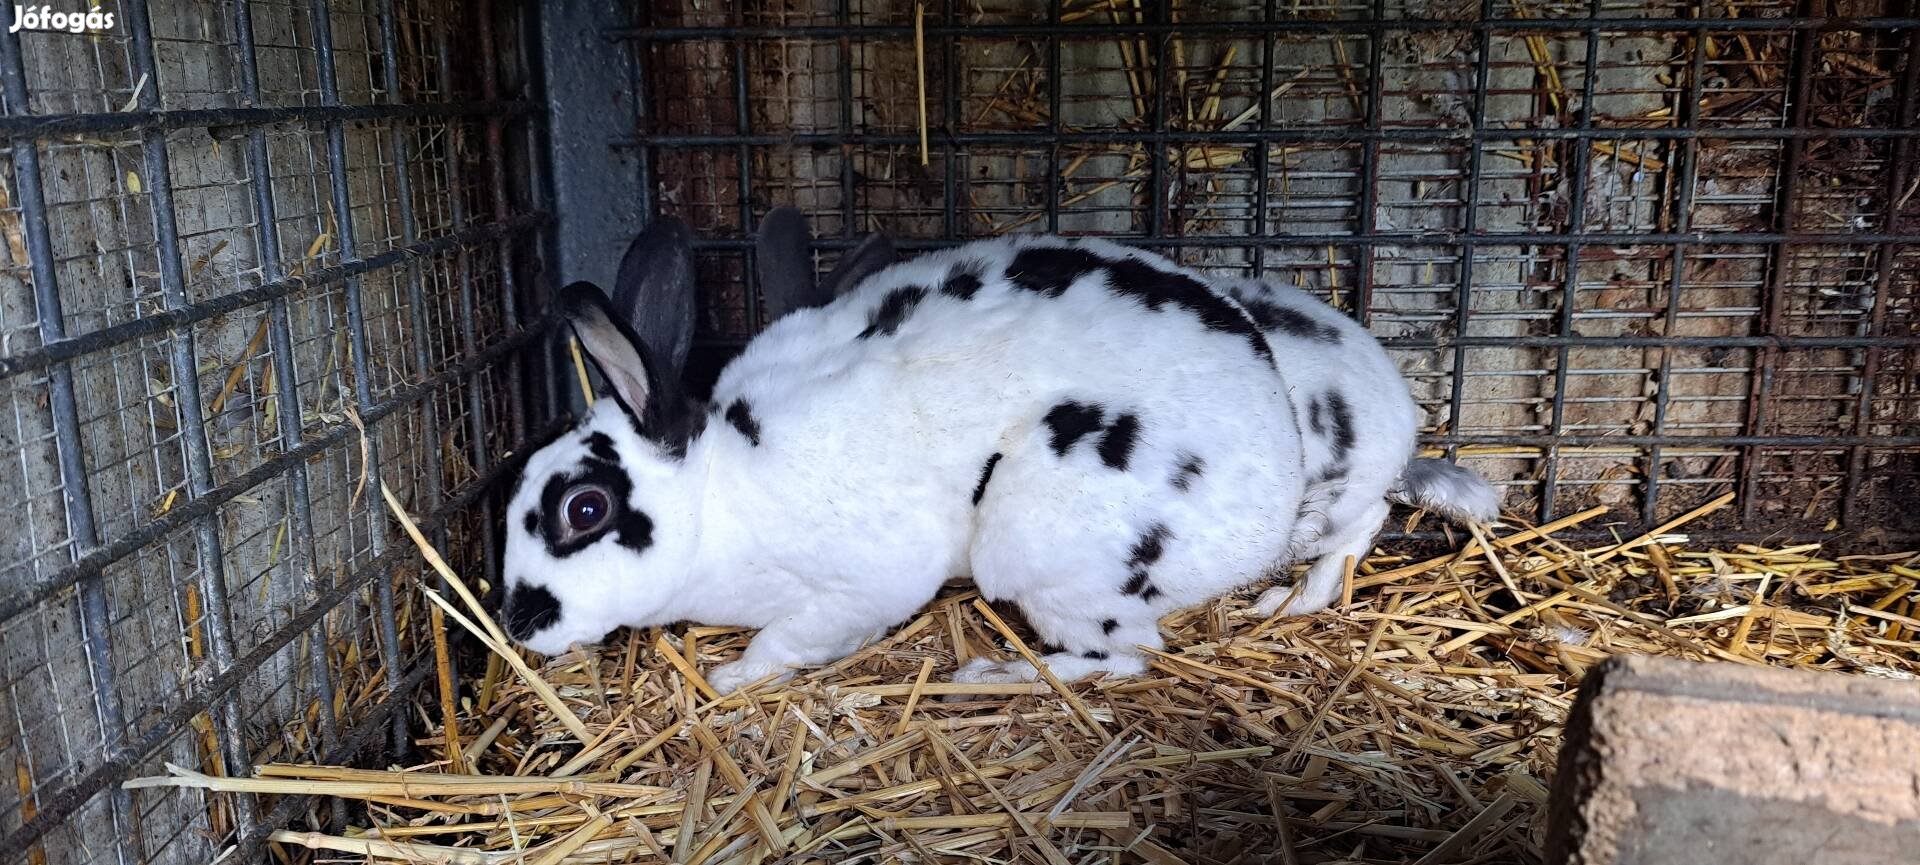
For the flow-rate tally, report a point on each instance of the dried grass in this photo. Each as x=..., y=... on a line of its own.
x=1419, y=723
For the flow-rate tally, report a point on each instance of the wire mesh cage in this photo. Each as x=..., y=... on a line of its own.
x=1631, y=255
x=260, y=260
x=264, y=260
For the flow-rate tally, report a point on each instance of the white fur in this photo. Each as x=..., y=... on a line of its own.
x=857, y=503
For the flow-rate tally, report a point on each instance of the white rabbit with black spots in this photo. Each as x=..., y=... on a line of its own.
x=1089, y=431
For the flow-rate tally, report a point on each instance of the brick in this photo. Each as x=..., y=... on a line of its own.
x=1669, y=761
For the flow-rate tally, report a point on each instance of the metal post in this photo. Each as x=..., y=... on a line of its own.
x=1579, y=165
x=303, y=559
x=387, y=633
x=95, y=616
x=743, y=118
x=1055, y=83
x=1689, y=117
x=1262, y=151
x=1907, y=100
x=1806, y=45
x=950, y=178
x=502, y=211
x=1157, y=196
x=849, y=193
x=1362, y=310
x=416, y=298
x=477, y=437
x=1469, y=230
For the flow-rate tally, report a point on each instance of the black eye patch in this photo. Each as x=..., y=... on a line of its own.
x=632, y=529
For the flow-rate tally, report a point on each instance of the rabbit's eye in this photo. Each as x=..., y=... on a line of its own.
x=586, y=509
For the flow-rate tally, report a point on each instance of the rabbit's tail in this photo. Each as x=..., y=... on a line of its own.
x=1459, y=494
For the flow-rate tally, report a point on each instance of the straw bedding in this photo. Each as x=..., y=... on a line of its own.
x=1416, y=722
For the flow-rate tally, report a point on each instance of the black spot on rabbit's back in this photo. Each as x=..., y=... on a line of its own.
x=1108, y=626
x=529, y=610
x=1287, y=320
x=1116, y=446
x=1070, y=421
x=893, y=311
x=986, y=474
x=1190, y=468
x=1049, y=270
x=961, y=283
x=1155, y=289
x=740, y=415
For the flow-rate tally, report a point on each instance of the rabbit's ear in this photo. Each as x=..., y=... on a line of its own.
x=784, y=264
x=860, y=262
x=640, y=385
x=653, y=294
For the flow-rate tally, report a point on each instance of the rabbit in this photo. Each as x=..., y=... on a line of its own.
x=1088, y=431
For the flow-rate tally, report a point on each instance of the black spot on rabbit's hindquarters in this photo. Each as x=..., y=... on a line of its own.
x=1107, y=626
x=893, y=311
x=1094, y=655
x=1155, y=288
x=961, y=283
x=740, y=415
x=1070, y=421
x=1190, y=468
x=530, y=609
x=1341, y=420
x=1116, y=446
x=1151, y=546
x=986, y=474
x=1049, y=270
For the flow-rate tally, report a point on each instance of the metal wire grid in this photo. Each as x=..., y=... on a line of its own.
x=234, y=233
x=1728, y=181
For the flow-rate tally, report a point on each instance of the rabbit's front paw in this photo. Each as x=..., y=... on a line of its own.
x=730, y=677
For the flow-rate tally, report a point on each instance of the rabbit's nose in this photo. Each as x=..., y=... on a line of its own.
x=529, y=609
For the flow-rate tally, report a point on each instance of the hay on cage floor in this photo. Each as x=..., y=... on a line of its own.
x=1417, y=723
